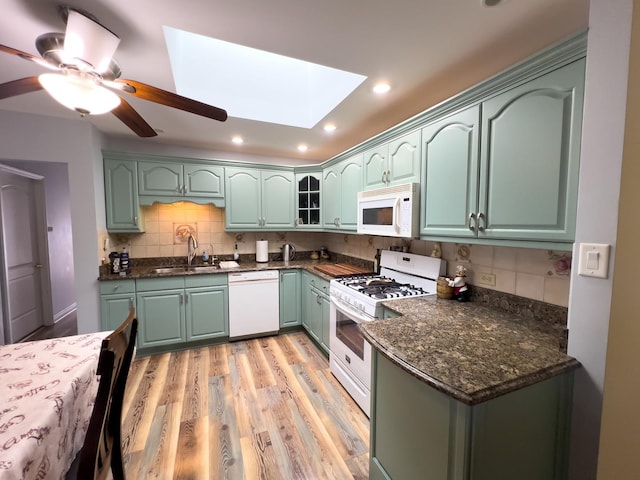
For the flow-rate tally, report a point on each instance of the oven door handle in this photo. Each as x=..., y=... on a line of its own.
x=354, y=315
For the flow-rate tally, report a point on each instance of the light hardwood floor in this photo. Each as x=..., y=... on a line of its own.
x=265, y=408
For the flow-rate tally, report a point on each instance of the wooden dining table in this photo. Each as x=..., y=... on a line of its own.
x=47, y=393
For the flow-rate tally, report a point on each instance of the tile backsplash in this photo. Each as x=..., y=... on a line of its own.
x=537, y=274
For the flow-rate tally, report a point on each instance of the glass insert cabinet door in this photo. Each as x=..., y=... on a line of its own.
x=308, y=200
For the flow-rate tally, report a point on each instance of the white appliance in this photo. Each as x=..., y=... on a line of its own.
x=356, y=299
x=390, y=211
x=254, y=305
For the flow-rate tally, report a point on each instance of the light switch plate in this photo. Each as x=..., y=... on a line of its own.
x=594, y=260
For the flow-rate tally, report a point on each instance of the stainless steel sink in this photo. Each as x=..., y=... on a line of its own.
x=170, y=270
x=204, y=268
x=183, y=270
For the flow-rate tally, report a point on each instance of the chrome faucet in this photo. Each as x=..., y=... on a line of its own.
x=192, y=246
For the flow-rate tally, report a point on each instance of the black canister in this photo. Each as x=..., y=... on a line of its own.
x=114, y=262
x=124, y=262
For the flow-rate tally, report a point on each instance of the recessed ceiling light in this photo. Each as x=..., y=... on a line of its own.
x=237, y=140
x=491, y=3
x=329, y=127
x=381, y=88
x=302, y=147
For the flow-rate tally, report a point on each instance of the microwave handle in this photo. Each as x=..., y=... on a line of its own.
x=396, y=220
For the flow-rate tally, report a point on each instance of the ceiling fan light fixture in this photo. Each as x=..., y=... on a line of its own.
x=88, y=41
x=79, y=94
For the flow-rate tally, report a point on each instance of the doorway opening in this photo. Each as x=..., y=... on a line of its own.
x=46, y=221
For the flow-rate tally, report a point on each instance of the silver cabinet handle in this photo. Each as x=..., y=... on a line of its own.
x=135, y=220
x=384, y=180
x=318, y=300
x=116, y=287
x=184, y=189
x=130, y=301
x=38, y=265
x=472, y=216
x=481, y=221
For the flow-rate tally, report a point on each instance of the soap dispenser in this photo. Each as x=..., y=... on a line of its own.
x=236, y=255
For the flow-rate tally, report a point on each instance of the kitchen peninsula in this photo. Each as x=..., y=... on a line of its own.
x=462, y=390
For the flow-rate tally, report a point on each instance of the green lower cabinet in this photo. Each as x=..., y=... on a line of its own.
x=161, y=318
x=315, y=309
x=207, y=313
x=419, y=432
x=175, y=310
x=115, y=299
x=290, y=301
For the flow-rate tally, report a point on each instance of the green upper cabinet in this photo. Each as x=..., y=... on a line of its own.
x=203, y=181
x=308, y=197
x=341, y=183
x=450, y=174
x=508, y=168
x=161, y=179
x=121, y=196
x=529, y=158
x=393, y=163
x=259, y=199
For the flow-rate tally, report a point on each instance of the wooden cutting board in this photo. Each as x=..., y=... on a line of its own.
x=340, y=269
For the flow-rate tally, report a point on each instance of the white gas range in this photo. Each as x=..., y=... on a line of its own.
x=357, y=299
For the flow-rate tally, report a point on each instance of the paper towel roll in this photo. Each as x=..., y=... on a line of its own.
x=262, y=251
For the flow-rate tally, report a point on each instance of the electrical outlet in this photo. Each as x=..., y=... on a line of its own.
x=486, y=279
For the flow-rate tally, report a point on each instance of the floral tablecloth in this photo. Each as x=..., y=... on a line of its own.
x=47, y=392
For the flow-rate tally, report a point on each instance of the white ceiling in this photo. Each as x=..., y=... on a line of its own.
x=428, y=50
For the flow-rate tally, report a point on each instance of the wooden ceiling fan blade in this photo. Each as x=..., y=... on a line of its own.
x=18, y=87
x=132, y=119
x=27, y=56
x=163, y=97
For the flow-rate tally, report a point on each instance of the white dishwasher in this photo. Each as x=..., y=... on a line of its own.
x=254, y=303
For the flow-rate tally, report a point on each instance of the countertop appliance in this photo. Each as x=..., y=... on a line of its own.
x=356, y=299
x=390, y=211
x=288, y=252
x=254, y=305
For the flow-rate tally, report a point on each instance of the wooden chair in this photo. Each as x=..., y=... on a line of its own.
x=102, y=450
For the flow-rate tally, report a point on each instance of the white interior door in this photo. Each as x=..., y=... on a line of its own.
x=23, y=267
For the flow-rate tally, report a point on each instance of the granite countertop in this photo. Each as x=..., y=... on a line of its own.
x=147, y=271
x=468, y=351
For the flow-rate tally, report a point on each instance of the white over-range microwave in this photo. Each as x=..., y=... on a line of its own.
x=390, y=211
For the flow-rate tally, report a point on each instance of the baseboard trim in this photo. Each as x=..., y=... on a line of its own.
x=62, y=314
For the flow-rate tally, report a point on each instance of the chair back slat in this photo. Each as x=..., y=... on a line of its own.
x=101, y=451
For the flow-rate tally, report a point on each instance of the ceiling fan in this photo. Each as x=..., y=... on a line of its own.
x=87, y=75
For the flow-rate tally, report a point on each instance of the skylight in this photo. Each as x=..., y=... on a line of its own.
x=254, y=84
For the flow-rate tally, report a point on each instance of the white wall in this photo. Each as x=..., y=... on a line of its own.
x=30, y=137
x=600, y=166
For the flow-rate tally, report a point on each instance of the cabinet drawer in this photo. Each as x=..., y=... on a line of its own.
x=110, y=287
x=151, y=284
x=321, y=284
x=215, y=280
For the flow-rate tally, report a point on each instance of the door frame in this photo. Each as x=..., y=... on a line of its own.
x=43, y=252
